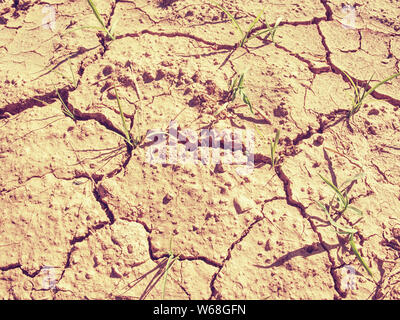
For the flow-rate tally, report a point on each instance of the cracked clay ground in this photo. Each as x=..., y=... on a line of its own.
x=82, y=214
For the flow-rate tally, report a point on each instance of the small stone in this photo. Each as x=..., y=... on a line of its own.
x=160, y=74
x=147, y=77
x=396, y=233
x=196, y=77
x=318, y=141
x=88, y=276
x=372, y=130
x=268, y=245
x=280, y=112
x=373, y=112
x=130, y=248
x=167, y=198
x=243, y=204
x=115, y=273
x=107, y=70
x=219, y=168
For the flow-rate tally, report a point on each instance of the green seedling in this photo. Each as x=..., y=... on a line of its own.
x=270, y=30
x=161, y=274
x=361, y=94
x=98, y=17
x=237, y=87
x=343, y=204
x=65, y=109
x=246, y=35
x=109, y=32
x=132, y=141
x=341, y=195
x=171, y=259
x=273, y=146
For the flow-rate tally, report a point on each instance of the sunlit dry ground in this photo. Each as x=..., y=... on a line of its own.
x=83, y=214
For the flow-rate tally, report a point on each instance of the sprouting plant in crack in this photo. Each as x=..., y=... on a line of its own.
x=273, y=146
x=108, y=31
x=161, y=274
x=132, y=141
x=171, y=259
x=342, y=204
x=360, y=94
x=98, y=17
x=246, y=36
x=65, y=108
x=237, y=88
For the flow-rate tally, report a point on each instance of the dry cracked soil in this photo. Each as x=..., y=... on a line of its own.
x=86, y=215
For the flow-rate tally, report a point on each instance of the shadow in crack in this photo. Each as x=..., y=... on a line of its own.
x=208, y=54
x=80, y=51
x=304, y=252
x=249, y=119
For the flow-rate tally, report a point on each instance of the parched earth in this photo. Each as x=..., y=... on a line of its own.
x=83, y=214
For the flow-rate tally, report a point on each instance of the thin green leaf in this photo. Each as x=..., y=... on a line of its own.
x=170, y=261
x=277, y=23
x=338, y=226
x=128, y=137
x=252, y=25
x=114, y=26
x=355, y=178
x=234, y=22
x=273, y=148
x=246, y=100
x=98, y=16
x=74, y=82
x=381, y=83
x=357, y=94
x=65, y=107
x=356, y=210
x=260, y=33
x=241, y=80
x=342, y=198
x=82, y=28
x=354, y=248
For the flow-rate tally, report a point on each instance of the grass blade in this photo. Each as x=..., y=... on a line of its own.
x=74, y=82
x=127, y=137
x=381, y=83
x=252, y=25
x=354, y=248
x=277, y=23
x=170, y=262
x=355, y=178
x=356, y=210
x=98, y=16
x=342, y=198
x=273, y=148
x=338, y=226
x=269, y=30
x=65, y=109
x=234, y=22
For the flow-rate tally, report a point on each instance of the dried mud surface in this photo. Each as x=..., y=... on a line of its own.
x=78, y=204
